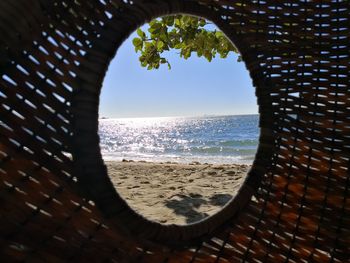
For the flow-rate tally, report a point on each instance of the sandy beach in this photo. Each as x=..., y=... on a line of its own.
x=173, y=193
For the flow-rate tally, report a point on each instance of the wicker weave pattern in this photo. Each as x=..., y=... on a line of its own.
x=53, y=57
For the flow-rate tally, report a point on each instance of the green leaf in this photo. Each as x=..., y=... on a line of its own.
x=169, y=20
x=160, y=45
x=178, y=46
x=137, y=41
x=186, y=19
x=155, y=28
x=140, y=33
x=138, y=44
x=177, y=22
x=202, y=23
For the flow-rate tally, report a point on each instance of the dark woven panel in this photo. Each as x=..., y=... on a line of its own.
x=295, y=203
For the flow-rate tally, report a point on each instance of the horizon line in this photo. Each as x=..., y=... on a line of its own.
x=186, y=116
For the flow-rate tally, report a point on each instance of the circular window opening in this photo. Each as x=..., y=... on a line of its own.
x=171, y=169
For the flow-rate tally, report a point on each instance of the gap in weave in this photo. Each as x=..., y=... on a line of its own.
x=176, y=170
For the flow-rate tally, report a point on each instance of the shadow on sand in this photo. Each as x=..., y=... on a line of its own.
x=186, y=205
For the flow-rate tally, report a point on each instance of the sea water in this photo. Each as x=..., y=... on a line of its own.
x=216, y=139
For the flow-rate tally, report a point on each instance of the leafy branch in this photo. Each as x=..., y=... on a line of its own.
x=187, y=34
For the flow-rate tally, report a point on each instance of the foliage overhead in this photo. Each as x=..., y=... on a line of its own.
x=184, y=33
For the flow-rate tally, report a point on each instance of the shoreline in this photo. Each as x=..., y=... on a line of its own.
x=176, y=193
x=213, y=160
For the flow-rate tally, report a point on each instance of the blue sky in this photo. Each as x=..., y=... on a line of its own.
x=193, y=87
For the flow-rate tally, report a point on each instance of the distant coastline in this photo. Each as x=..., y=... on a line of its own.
x=189, y=116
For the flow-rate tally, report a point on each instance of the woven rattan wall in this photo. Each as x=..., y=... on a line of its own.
x=56, y=201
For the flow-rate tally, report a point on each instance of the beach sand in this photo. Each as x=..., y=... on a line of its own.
x=172, y=193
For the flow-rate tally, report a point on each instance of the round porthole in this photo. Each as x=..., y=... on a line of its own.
x=108, y=195
x=171, y=169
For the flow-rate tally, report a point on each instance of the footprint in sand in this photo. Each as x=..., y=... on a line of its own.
x=231, y=173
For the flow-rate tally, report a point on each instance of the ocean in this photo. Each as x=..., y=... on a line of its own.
x=216, y=139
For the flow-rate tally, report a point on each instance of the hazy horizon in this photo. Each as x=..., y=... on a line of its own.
x=182, y=116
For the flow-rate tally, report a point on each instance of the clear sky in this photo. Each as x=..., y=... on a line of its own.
x=193, y=87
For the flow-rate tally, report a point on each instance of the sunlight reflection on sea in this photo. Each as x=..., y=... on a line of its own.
x=219, y=139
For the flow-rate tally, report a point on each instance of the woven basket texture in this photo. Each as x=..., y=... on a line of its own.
x=57, y=203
